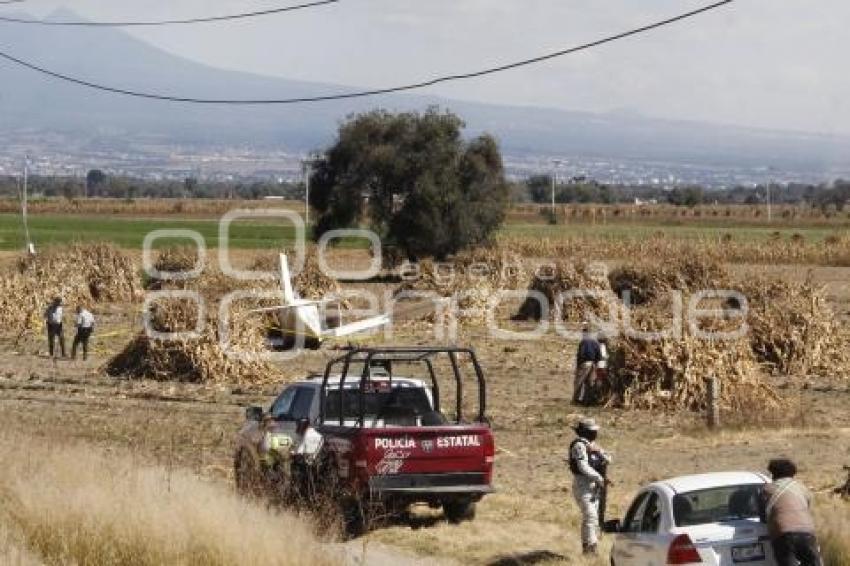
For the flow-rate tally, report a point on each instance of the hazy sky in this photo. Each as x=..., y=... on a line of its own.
x=771, y=63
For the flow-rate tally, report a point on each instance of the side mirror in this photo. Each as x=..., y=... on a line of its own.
x=254, y=414
x=612, y=526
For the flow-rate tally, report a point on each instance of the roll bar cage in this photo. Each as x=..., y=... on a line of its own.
x=371, y=357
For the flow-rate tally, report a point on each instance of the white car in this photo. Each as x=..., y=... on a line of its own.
x=710, y=519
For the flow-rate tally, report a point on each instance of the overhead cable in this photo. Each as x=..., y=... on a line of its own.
x=365, y=93
x=151, y=23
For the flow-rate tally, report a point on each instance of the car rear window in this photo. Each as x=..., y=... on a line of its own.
x=375, y=402
x=716, y=505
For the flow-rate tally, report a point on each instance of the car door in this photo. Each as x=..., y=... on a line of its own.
x=651, y=540
x=626, y=551
x=641, y=541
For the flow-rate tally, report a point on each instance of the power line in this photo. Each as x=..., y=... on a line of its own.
x=373, y=92
x=241, y=16
x=11, y=1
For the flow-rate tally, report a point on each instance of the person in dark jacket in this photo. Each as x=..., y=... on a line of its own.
x=786, y=507
x=589, y=354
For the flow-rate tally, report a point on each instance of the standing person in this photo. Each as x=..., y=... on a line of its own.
x=787, y=510
x=85, y=327
x=586, y=460
x=53, y=318
x=588, y=355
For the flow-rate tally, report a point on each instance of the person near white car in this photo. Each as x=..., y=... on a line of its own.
x=786, y=508
x=585, y=459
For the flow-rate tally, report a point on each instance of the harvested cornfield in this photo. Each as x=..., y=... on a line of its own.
x=835, y=250
x=81, y=274
x=472, y=279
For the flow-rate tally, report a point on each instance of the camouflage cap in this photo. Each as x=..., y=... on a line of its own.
x=587, y=424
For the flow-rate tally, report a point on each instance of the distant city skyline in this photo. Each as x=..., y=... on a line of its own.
x=756, y=63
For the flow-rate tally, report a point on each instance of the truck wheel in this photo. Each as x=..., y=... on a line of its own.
x=459, y=511
x=248, y=481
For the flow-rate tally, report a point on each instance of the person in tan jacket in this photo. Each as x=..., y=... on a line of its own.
x=787, y=510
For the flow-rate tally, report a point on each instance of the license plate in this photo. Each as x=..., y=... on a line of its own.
x=748, y=553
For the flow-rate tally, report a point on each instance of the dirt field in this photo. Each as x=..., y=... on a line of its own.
x=531, y=519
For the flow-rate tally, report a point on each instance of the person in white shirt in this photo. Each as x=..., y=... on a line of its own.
x=85, y=327
x=53, y=318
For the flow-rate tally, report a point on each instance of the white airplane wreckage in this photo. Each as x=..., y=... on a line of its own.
x=308, y=323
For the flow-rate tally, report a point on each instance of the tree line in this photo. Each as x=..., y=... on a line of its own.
x=98, y=184
x=581, y=190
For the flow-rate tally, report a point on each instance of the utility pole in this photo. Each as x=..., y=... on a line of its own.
x=30, y=247
x=307, y=169
x=555, y=164
x=767, y=193
x=769, y=214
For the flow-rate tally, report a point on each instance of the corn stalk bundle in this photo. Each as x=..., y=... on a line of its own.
x=652, y=281
x=81, y=274
x=671, y=373
x=793, y=329
x=199, y=359
x=564, y=276
x=473, y=278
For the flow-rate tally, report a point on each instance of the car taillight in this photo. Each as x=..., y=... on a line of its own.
x=683, y=551
x=489, y=455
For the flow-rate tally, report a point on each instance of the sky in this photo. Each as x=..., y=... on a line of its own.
x=776, y=64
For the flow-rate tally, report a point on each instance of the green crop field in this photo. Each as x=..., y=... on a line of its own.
x=130, y=233
x=48, y=229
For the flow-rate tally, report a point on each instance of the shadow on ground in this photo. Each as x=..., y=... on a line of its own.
x=526, y=558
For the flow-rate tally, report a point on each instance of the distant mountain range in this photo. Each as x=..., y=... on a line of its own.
x=37, y=103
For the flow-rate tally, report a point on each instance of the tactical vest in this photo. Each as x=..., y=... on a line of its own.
x=596, y=461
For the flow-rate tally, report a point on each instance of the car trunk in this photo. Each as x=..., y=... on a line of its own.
x=734, y=542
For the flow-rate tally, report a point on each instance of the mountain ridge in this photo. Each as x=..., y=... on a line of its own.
x=118, y=59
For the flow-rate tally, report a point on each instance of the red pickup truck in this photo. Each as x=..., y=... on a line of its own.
x=372, y=440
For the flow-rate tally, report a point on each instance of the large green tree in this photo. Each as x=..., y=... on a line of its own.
x=413, y=179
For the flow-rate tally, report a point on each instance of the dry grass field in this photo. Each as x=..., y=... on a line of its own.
x=96, y=467
x=67, y=503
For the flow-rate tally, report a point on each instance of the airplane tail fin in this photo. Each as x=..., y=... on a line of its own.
x=286, y=281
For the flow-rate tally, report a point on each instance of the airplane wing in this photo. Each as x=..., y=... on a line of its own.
x=357, y=326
